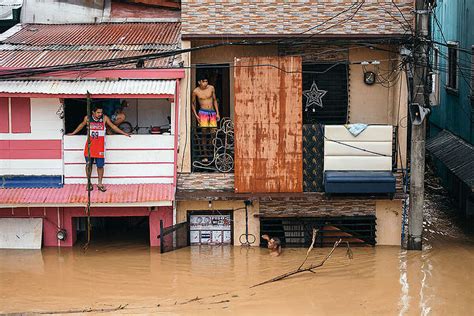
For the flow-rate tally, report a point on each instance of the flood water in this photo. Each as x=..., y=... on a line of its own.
x=135, y=279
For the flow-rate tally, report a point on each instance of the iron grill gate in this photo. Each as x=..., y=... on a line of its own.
x=173, y=237
x=297, y=232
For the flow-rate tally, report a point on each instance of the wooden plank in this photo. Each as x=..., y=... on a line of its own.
x=121, y=156
x=268, y=124
x=122, y=142
x=117, y=171
x=33, y=167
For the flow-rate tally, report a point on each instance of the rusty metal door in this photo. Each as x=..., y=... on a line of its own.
x=268, y=124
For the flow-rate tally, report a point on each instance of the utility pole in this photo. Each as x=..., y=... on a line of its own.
x=418, y=129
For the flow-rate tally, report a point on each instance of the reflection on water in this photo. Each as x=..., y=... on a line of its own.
x=202, y=280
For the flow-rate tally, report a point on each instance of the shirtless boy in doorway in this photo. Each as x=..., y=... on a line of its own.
x=208, y=113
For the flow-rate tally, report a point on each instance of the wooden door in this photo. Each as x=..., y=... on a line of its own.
x=268, y=124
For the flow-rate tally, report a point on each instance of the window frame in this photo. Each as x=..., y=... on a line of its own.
x=472, y=75
x=435, y=78
x=452, y=76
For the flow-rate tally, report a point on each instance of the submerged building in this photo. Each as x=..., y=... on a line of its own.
x=313, y=130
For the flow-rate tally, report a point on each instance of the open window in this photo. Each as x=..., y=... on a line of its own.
x=452, y=74
x=142, y=116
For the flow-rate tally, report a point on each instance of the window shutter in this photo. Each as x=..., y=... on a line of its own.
x=4, y=117
x=21, y=115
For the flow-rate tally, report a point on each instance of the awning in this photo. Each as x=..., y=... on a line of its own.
x=97, y=88
x=76, y=195
x=456, y=154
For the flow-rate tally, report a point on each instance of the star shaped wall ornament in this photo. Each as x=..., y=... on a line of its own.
x=314, y=97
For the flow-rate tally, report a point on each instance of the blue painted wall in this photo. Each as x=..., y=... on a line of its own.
x=455, y=112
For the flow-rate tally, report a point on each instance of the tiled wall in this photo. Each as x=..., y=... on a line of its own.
x=277, y=17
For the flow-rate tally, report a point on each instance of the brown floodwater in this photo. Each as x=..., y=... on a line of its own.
x=216, y=279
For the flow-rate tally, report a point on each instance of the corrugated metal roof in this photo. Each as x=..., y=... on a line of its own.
x=40, y=45
x=97, y=34
x=456, y=154
x=76, y=194
x=95, y=87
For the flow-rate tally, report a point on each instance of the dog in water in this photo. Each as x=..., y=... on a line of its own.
x=274, y=244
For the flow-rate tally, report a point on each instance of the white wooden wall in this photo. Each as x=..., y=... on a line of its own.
x=136, y=159
x=45, y=125
x=375, y=138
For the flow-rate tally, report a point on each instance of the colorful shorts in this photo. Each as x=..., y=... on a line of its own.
x=207, y=118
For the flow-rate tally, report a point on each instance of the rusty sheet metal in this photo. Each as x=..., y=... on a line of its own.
x=268, y=124
x=27, y=59
x=76, y=194
x=37, y=45
x=97, y=34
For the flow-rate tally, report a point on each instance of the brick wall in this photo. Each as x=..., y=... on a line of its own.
x=212, y=181
x=315, y=206
x=284, y=17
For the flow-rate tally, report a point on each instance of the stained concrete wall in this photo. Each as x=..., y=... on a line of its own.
x=389, y=222
x=238, y=215
x=64, y=11
x=379, y=104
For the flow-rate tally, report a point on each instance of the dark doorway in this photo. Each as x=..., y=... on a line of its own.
x=203, y=150
x=76, y=109
x=74, y=112
x=219, y=78
x=107, y=230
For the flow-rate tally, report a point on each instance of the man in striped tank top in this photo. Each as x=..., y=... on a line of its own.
x=95, y=144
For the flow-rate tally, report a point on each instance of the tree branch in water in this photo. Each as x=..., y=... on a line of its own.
x=311, y=267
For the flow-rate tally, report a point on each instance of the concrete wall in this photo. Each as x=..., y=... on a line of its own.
x=62, y=11
x=389, y=222
x=379, y=104
x=238, y=215
x=184, y=139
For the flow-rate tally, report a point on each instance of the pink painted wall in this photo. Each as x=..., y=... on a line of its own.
x=64, y=218
x=21, y=115
x=4, y=115
x=30, y=149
